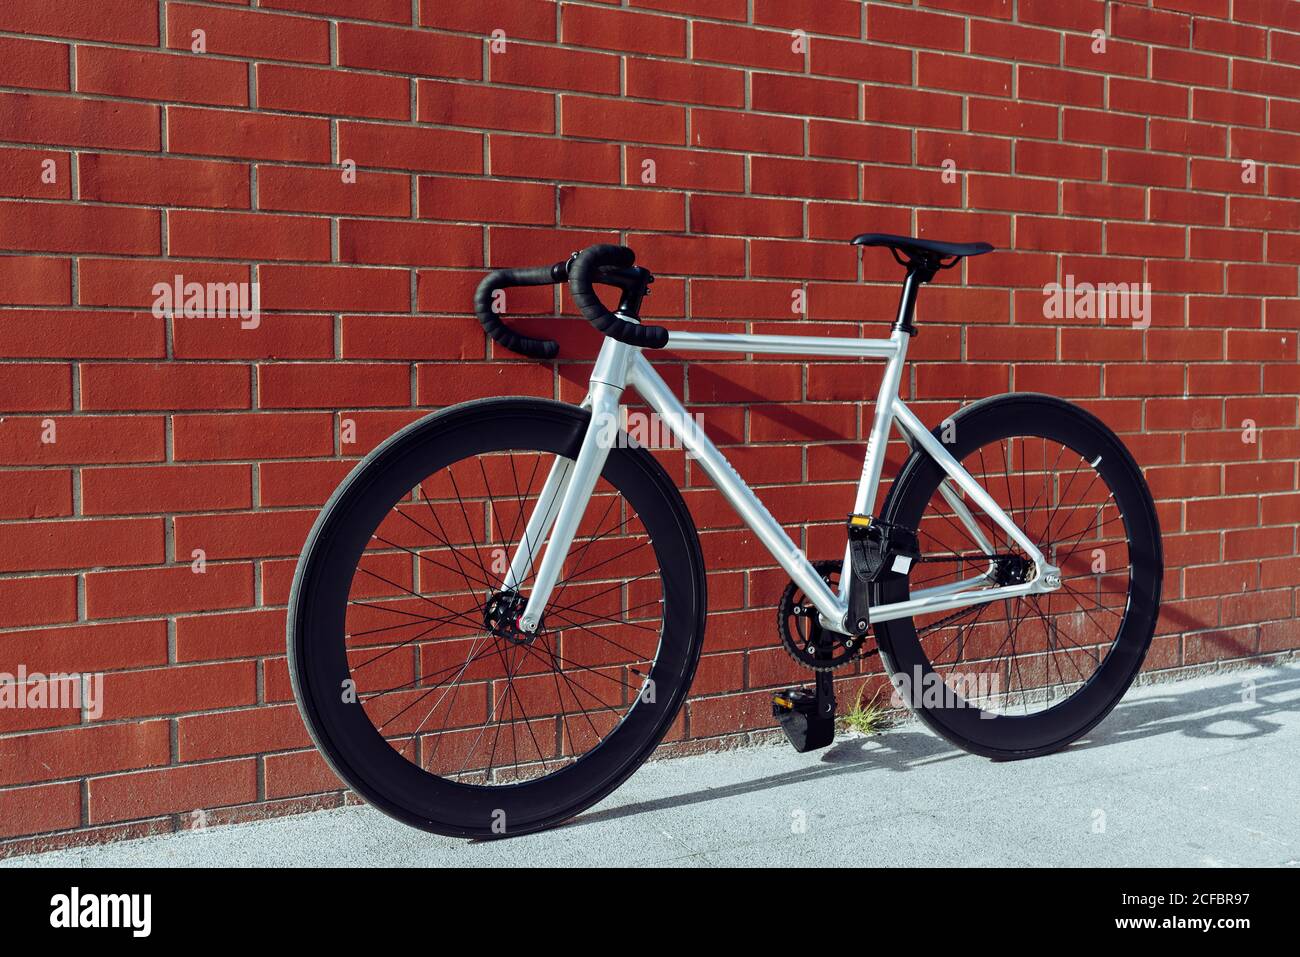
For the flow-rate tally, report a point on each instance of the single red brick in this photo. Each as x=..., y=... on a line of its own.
x=262, y=236
x=277, y=336
x=33, y=64
x=333, y=92
x=745, y=46
x=117, y=21
x=36, y=601
x=250, y=135
x=73, y=121
x=388, y=11
x=409, y=337
x=622, y=31
x=81, y=439
x=685, y=169
x=529, y=19
x=242, y=634
x=246, y=33
x=916, y=28
x=308, y=385
x=781, y=93
x=50, y=227
x=963, y=74
x=137, y=490
x=298, y=773
x=1048, y=85
x=410, y=148
x=161, y=76
x=464, y=104
x=132, y=282
x=535, y=158
x=842, y=17
x=335, y=288
x=606, y=119
x=1082, y=15
x=414, y=52
x=124, y=797
x=685, y=83
x=1013, y=42
x=81, y=751
x=883, y=104
x=420, y=244
x=446, y=383
x=1151, y=26
x=856, y=60
x=178, y=690
x=35, y=281
x=154, y=591
x=252, y=436
x=37, y=546
x=455, y=198
x=799, y=177
x=162, y=181
x=636, y=208
x=50, y=807
x=743, y=216
x=35, y=387
x=110, y=387
x=38, y=493
x=750, y=133
x=247, y=731
x=302, y=483
x=555, y=68
x=967, y=152
x=325, y=191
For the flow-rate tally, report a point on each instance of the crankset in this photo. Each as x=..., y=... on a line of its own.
x=802, y=634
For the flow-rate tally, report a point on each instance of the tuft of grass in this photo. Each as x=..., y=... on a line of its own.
x=866, y=718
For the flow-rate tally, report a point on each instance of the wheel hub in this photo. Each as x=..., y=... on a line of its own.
x=1012, y=570
x=501, y=617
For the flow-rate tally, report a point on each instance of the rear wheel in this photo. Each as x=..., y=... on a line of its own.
x=406, y=662
x=1026, y=676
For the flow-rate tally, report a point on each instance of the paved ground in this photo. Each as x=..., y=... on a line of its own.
x=1189, y=774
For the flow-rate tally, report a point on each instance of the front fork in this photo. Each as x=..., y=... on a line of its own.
x=568, y=487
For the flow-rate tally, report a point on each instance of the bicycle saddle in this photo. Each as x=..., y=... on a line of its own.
x=921, y=247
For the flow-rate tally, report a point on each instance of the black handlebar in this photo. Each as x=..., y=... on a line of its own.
x=498, y=330
x=603, y=263
x=585, y=270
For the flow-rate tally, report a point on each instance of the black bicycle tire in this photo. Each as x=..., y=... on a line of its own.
x=1011, y=736
x=685, y=602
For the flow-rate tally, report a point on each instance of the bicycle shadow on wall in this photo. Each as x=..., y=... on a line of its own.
x=1198, y=713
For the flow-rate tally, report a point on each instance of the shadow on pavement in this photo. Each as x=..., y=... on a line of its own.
x=1196, y=713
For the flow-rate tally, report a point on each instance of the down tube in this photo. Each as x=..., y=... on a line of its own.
x=651, y=386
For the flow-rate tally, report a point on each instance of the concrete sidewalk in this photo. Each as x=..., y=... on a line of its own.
x=1188, y=774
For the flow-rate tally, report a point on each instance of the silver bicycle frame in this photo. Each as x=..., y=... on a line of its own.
x=569, y=483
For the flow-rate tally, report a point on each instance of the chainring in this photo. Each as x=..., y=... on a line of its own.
x=796, y=623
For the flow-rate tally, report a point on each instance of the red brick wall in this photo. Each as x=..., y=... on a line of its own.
x=224, y=166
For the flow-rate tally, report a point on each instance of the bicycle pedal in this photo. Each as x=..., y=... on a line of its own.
x=807, y=725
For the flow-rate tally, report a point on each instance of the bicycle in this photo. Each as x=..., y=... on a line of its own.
x=479, y=654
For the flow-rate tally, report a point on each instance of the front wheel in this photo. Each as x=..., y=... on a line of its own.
x=406, y=661
x=1020, y=677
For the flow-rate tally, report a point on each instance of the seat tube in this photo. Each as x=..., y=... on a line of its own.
x=873, y=461
x=603, y=398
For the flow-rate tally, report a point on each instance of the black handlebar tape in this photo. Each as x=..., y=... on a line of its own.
x=492, y=323
x=584, y=271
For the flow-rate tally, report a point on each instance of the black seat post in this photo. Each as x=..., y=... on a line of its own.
x=916, y=275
